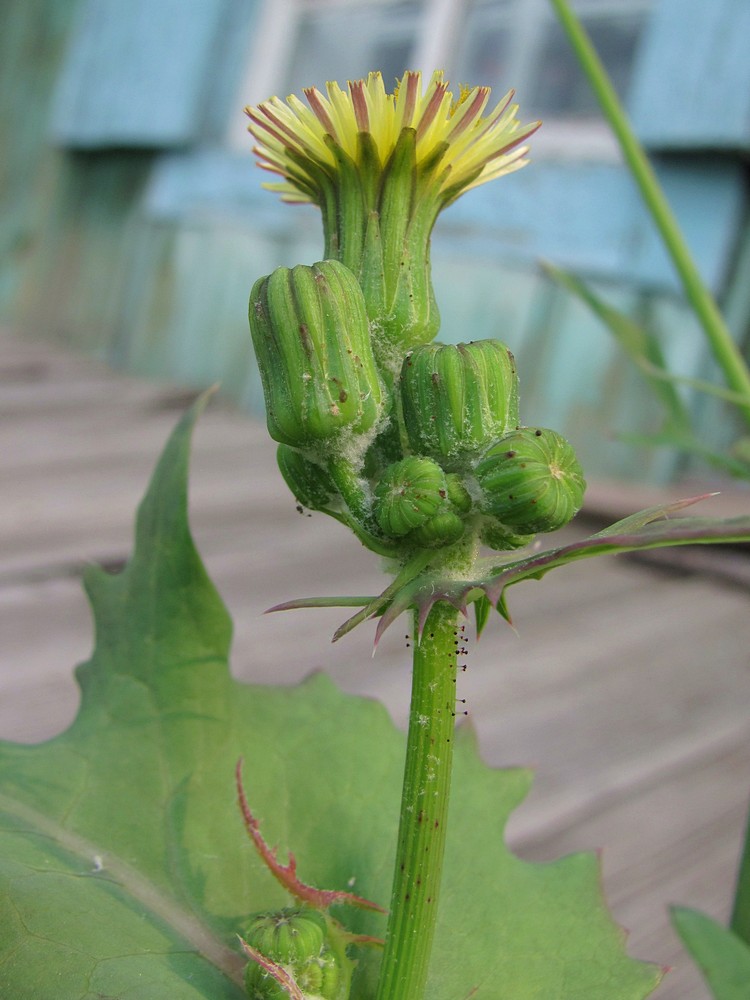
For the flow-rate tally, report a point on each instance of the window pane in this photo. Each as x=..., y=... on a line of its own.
x=515, y=43
x=348, y=41
x=482, y=56
x=560, y=89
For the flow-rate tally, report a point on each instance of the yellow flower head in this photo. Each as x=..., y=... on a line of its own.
x=472, y=147
x=381, y=167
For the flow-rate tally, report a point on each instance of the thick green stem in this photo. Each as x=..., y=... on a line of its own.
x=424, y=811
x=356, y=494
x=741, y=910
x=725, y=350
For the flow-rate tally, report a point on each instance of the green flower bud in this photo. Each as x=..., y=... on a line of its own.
x=499, y=537
x=312, y=342
x=444, y=528
x=531, y=481
x=309, y=482
x=309, y=945
x=456, y=400
x=409, y=494
x=287, y=936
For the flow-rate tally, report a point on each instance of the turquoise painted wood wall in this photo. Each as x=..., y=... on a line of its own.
x=33, y=36
x=152, y=74
x=691, y=90
x=150, y=232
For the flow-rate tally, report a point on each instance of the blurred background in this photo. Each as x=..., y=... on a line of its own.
x=133, y=223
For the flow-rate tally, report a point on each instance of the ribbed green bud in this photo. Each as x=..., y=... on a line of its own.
x=312, y=342
x=410, y=493
x=318, y=977
x=306, y=943
x=444, y=528
x=531, y=480
x=309, y=482
x=288, y=936
x=458, y=399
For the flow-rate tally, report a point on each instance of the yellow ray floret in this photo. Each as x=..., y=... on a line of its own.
x=477, y=146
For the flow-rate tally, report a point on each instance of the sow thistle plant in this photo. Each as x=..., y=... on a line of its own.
x=416, y=446
x=386, y=430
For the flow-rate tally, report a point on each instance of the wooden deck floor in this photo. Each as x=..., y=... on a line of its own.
x=627, y=687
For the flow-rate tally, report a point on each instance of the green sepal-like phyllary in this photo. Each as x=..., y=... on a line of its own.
x=312, y=342
x=458, y=496
x=385, y=449
x=457, y=399
x=531, y=481
x=306, y=943
x=381, y=230
x=309, y=482
x=501, y=538
x=410, y=493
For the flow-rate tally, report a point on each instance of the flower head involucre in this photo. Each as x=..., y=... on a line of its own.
x=381, y=167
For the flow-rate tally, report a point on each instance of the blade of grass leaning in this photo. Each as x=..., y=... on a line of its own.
x=741, y=908
x=725, y=350
x=722, y=957
x=642, y=346
x=688, y=444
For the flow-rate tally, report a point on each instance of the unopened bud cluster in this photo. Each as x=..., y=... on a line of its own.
x=423, y=458
x=306, y=943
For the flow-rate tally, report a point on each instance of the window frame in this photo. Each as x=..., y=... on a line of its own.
x=442, y=27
